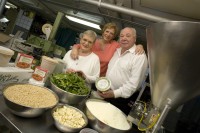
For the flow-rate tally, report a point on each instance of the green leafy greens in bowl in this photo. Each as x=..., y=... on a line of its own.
x=70, y=82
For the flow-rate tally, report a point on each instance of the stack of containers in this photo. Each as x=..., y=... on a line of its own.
x=8, y=73
x=50, y=65
x=61, y=66
x=5, y=56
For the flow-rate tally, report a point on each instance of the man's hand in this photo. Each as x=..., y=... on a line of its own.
x=139, y=49
x=74, y=53
x=107, y=94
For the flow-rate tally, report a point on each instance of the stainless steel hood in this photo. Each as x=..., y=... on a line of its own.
x=127, y=11
x=173, y=51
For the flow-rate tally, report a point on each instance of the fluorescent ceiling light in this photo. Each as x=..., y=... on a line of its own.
x=7, y=6
x=4, y=20
x=80, y=21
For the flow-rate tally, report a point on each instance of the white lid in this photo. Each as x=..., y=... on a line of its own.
x=103, y=84
x=59, y=60
x=14, y=70
x=49, y=59
x=6, y=51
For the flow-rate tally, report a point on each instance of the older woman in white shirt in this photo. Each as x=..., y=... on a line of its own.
x=88, y=64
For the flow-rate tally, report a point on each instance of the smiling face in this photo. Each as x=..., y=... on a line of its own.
x=109, y=34
x=86, y=43
x=127, y=38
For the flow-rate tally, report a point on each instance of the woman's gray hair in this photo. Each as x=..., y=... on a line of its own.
x=90, y=33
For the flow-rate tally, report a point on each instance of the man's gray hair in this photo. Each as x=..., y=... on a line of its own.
x=133, y=30
x=90, y=33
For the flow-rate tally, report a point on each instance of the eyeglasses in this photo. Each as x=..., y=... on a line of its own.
x=87, y=41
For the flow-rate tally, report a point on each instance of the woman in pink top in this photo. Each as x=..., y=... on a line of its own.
x=105, y=47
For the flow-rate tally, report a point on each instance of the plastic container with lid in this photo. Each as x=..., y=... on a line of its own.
x=103, y=84
x=61, y=66
x=49, y=64
x=5, y=56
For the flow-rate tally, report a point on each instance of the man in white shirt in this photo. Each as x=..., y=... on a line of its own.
x=126, y=71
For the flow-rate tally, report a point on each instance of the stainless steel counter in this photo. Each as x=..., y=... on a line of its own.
x=41, y=124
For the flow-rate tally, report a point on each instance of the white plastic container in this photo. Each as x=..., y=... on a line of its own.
x=49, y=64
x=103, y=84
x=61, y=66
x=5, y=56
x=11, y=74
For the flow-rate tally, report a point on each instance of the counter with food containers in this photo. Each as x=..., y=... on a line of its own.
x=27, y=106
x=41, y=124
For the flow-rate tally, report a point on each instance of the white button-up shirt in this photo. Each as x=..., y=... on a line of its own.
x=126, y=72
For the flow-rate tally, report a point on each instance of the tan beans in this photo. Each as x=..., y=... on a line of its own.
x=30, y=96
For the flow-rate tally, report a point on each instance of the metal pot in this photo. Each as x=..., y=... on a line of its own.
x=25, y=111
x=66, y=128
x=67, y=97
x=102, y=126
